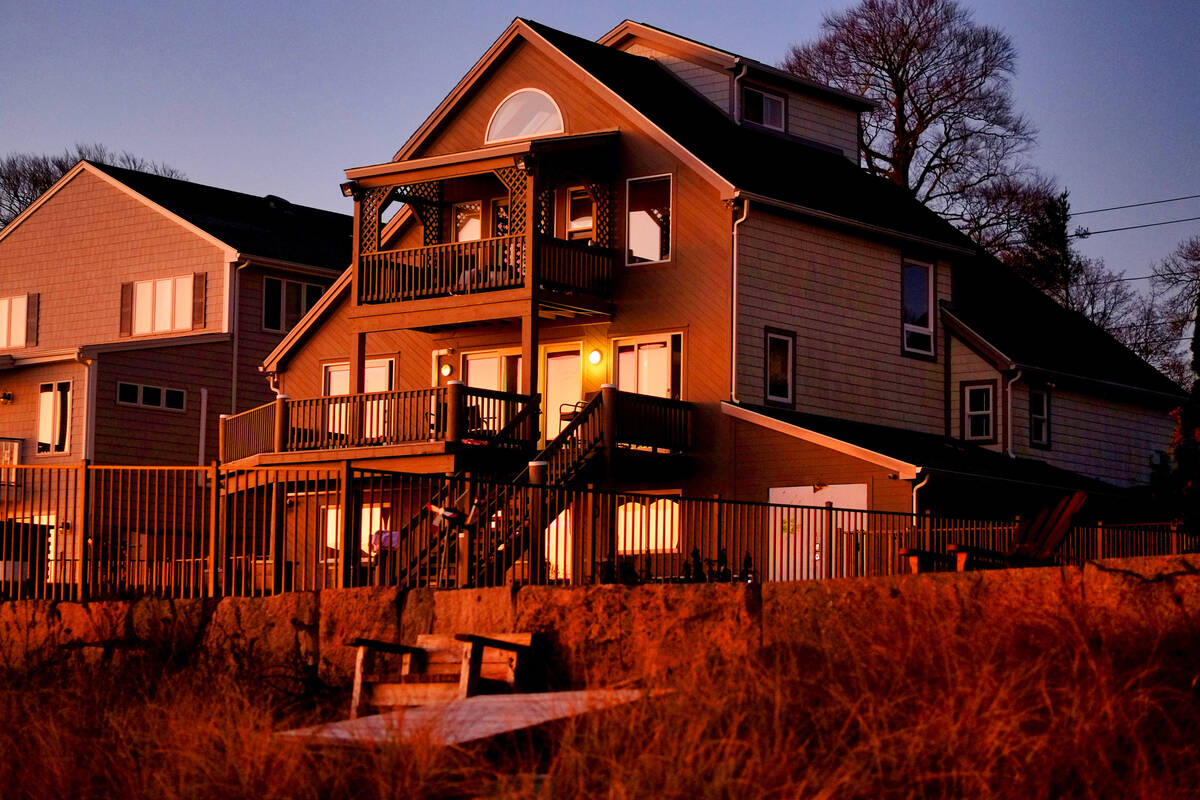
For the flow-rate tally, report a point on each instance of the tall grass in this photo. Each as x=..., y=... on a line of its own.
x=911, y=700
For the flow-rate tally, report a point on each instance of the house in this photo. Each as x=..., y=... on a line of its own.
x=135, y=309
x=658, y=266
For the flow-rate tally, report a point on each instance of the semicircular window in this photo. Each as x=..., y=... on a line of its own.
x=529, y=112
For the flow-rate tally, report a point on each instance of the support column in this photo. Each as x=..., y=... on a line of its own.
x=529, y=358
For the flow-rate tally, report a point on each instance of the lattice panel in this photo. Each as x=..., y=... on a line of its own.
x=425, y=199
x=517, y=182
x=369, y=205
x=602, y=220
x=545, y=212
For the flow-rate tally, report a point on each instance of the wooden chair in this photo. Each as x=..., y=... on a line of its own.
x=443, y=667
x=1034, y=542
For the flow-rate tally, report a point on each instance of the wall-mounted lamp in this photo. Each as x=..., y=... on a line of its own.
x=595, y=357
x=6, y=398
x=819, y=485
x=348, y=188
x=446, y=370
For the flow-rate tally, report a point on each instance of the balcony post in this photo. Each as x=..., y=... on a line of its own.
x=280, y=440
x=221, y=438
x=608, y=424
x=537, y=523
x=529, y=356
x=455, y=411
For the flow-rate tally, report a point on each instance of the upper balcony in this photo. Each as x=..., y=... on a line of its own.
x=496, y=230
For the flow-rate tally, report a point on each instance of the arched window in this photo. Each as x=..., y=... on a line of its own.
x=527, y=112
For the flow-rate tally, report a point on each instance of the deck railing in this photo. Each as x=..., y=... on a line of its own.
x=248, y=433
x=484, y=265
x=647, y=421
x=95, y=532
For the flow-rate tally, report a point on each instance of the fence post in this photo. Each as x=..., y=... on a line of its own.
x=537, y=523
x=221, y=438
x=80, y=534
x=1099, y=540
x=1174, y=537
x=927, y=531
x=281, y=424
x=278, y=509
x=454, y=411
x=351, y=517
x=827, y=555
x=214, y=491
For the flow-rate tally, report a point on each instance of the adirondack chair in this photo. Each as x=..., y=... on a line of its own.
x=1034, y=542
x=442, y=667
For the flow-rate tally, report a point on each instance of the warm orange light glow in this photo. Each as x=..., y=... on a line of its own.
x=594, y=357
x=447, y=370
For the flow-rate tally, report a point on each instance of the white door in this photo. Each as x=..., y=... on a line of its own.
x=564, y=388
x=799, y=538
x=377, y=377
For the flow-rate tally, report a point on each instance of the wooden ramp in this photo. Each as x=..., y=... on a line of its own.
x=465, y=720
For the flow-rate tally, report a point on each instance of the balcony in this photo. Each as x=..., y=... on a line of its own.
x=486, y=265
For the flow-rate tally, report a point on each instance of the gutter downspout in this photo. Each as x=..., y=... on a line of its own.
x=917, y=488
x=737, y=90
x=89, y=413
x=733, y=306
x=1008, y=427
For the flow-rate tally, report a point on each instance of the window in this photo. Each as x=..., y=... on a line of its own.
x=134, y=394
x=13, y=321
x=527, y=112
x=580, y=214
x=648, y=227
x=377, y=377
x=285, y=302
x=781, y=358
x=1039, y=418
x=762, y=108
x=917, y=307
x=163, y=305
x=54, y=417
x=979, y=418
x=468, y=225
x=651, y=365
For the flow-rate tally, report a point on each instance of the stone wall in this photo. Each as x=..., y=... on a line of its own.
x=596, y=635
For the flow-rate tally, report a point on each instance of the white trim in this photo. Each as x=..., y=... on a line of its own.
x=783, y=108
x=903, y=469
x=790, y=341
x=930, y=297
x=54, y=383
x=990, y=413
x=562, y=128
x=671, y=220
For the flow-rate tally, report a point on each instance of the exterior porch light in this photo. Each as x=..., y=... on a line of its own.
x=446, y=370
x=595, y=357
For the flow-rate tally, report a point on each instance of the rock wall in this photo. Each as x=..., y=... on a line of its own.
x=596, y=635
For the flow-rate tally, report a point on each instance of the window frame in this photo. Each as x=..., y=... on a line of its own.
x=790, y=338
x=671, y=221
x=562, y=120
x=765, y=93
x=965, y=413
x=668, y=336
x=141, y=393
x=587, y=234
x=305, y=306
x=1044, y=442
x=7, y=340
x=931, y=298
x=189, y=280
x=61, y=424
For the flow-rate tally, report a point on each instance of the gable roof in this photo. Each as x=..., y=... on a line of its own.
x=1026, y=329
x=268, y=227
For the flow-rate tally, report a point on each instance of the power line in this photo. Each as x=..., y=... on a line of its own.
x=1086, y=233
x=1135, y=205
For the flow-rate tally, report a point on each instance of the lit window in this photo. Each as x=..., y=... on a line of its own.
x=1039, y=418
x=285, y=302
x=652, y=365
x=917, y=307
x=528, y=112
x=780, y=348
x=467, y=222
x=13, y=321
x=979, y=412
x=134, y=394
x=163, y=305
x=648, y=227
x=580, y=214
x=762, y=108
x=54, y=417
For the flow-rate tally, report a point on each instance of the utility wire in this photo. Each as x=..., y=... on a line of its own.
x=1135, y=205
x=1083, y=234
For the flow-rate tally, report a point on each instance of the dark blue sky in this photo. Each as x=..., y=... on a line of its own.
x=280, y=97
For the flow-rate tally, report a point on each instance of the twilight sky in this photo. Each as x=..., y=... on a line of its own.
x=280, y=97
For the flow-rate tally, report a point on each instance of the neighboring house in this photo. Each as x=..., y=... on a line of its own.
x=693, y=227
x=134, y=310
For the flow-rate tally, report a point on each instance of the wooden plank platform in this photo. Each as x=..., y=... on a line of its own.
x=462, y=721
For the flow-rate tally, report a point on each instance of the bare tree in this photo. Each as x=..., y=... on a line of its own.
x=25, y=176
x=1178, y=278
x=945, y=127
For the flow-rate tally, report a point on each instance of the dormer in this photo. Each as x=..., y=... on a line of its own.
x=753, y=93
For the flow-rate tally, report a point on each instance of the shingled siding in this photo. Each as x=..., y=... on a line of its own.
x=19, y=420
x=966, y=366
x=1132, y=435
x=713, y=84
x=841, y=296
x=824, y=122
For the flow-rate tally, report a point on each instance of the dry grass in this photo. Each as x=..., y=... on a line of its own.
x=913, y=702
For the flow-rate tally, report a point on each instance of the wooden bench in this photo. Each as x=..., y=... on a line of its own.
x=442, y=667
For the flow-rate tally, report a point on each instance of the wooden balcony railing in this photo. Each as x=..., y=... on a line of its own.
x=658, y=422
x=452, y=413
x=468, y=268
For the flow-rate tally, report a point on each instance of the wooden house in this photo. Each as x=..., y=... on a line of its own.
x=652, y=264
x=135, y=310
